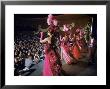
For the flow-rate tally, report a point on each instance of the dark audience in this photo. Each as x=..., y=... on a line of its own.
x=27, y=46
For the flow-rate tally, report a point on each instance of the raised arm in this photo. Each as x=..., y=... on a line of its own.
x=44, y=40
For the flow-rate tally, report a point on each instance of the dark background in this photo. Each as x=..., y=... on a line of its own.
x=30, y=22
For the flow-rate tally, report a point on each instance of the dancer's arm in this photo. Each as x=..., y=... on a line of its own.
x=44, y=41
x=41, y=38
x=48, y=39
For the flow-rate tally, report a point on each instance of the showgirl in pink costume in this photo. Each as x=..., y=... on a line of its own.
x=51, y=65
x=65, y=50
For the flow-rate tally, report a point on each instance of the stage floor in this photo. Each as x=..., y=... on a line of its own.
x=81, y=68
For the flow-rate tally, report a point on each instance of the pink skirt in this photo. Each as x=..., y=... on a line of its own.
x=65, y=54
x=46, y=67
x=51, y=67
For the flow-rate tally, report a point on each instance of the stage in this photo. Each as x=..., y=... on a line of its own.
x=81, y=68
